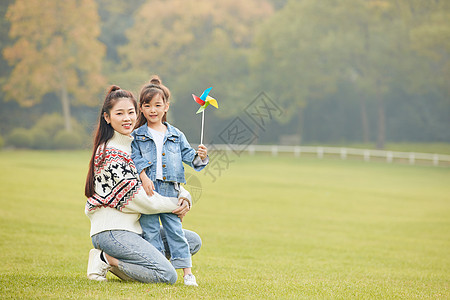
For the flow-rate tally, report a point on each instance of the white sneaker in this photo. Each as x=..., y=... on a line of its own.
x=97, y=268
x=189, y=279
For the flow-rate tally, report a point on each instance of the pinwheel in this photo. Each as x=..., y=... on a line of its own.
x=204, y=100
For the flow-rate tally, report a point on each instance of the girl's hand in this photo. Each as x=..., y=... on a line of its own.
x=202, y=151
x=147, y=184
x=183, y=208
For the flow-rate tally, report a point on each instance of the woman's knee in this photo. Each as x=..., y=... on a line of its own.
x=169, y=276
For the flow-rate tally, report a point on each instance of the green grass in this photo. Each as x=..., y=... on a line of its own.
x=280, y=228
x=440, y=148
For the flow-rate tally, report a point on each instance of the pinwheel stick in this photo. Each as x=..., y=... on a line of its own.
x=203, y=126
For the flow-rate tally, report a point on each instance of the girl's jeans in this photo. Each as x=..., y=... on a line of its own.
x=178, y=247
x=138, y=258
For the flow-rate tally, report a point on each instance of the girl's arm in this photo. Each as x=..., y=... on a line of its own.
x=141, y=164
x=139, y=161
x=190, y=157
x=147, y=184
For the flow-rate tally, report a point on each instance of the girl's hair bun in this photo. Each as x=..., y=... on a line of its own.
x=155, y=80
x=113, y=88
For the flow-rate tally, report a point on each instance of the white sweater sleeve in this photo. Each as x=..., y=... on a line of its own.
x=142, y=203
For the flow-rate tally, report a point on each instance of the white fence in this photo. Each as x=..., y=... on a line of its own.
x=343, y=153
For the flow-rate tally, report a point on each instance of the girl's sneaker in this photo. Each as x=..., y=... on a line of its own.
x=189, y=279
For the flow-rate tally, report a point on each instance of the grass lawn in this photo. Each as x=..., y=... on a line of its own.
x=440, y=148
x=280, y=228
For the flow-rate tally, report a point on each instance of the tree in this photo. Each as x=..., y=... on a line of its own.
x=5, y=111
x=375, y=55
x=178, y=29
x=308, y=47
x=55, y=51
x=4, y=42
x=411, y=50
x=193, y=45
x=116, y=17
x=294, y=55
x=175, y=40
x=429, y=31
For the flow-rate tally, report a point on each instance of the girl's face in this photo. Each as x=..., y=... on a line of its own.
x=122, y=116
x=155, y=109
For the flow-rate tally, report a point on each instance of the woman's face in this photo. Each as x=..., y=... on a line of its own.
x=122, y=116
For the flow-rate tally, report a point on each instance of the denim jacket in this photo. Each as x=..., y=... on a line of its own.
x=175, y=151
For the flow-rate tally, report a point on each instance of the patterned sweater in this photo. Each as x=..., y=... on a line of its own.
x=119, y=198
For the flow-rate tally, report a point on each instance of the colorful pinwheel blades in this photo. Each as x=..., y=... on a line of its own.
x=204, y=100
x=198, y=100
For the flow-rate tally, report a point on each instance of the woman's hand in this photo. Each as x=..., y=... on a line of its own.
x=183, y=208
x=147, y=184
x=202, y=151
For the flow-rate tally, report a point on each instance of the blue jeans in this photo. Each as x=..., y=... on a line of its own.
x=138, y=258
x=177, y=244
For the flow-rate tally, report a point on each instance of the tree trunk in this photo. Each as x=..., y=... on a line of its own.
x=364, y=120
x=381, y=118
x=300, y=124
x=66, y=107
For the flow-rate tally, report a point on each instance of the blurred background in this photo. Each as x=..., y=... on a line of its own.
x=368, y=72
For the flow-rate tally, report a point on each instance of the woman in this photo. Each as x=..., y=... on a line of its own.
x=116, y=199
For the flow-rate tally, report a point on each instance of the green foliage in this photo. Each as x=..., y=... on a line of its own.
x=116, y=17
x=41, y=139
x=52, y=124
x=67, y=140
x=50, y=128
x=392, y=58
x=49, y=133
x=309, y=229
x=208, y=46
x=2, y=142
x=193, y=45
x=20, y=138
x=308, y=47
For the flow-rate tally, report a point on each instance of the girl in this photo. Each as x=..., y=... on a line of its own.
x=158, y=151
x=116, y=199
